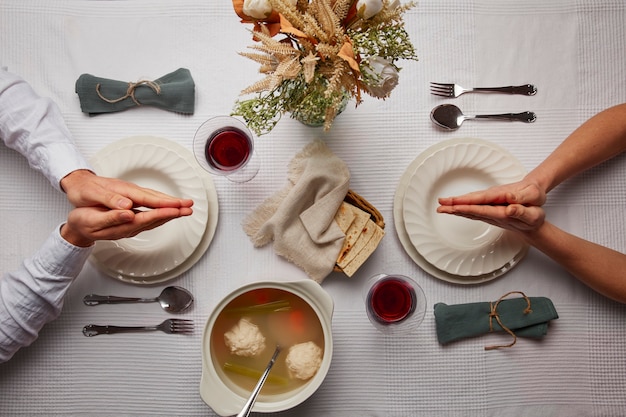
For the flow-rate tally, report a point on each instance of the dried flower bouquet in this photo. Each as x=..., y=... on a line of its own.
x=315, y=54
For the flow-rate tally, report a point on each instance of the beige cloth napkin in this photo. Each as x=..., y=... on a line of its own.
x=300, y=217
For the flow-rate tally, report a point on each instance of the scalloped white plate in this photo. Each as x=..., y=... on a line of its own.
x=451, y=248
x=160, y=254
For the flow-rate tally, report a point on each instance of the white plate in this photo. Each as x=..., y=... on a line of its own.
x=165, y=252
x=450, y=248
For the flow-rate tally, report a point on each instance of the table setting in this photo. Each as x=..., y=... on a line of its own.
x=314, y=148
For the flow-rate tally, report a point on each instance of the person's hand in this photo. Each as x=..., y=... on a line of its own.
x=86, y=189
x=515, y=206
x=105, y=208
x=523, y=192
x=515, y=217
x=85, y=225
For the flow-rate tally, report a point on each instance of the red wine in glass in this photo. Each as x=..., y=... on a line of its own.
x=391, y=300
x=228, y=149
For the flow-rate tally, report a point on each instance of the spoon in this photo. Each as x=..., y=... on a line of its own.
x=255, y=392
x=450, y=117
x=173, y=299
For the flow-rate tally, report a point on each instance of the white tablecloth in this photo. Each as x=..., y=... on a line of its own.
x=572, y=50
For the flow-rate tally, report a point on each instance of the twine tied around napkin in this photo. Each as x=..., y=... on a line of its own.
x=519, y=317
x=130, y=92
x=173, y=92
x=494, y=314
x=300, y=218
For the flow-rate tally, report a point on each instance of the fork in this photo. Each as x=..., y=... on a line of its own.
x=455, y=90
x=168, y=326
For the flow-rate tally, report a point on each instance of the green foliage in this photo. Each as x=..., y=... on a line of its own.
x=260, y=113
x=303, y=100
x=391, y=42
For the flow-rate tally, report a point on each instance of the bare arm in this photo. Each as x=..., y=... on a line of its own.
x=599, y=267
x=598, y=139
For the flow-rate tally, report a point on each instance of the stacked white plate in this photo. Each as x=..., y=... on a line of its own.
x=163, y=253
x=448, y=247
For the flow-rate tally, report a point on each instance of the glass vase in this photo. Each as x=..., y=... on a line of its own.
x=315, y=116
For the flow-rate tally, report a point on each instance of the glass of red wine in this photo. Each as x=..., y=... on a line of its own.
x=224, y=146
x=394, y=304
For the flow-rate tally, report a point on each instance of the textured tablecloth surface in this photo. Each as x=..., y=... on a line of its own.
x=572, y=50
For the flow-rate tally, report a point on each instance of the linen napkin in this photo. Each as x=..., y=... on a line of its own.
x=525, y=317
x=174, y=92
x=299, y=219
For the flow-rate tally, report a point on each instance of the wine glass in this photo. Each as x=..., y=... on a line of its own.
x=395, y=304
x=224, y=145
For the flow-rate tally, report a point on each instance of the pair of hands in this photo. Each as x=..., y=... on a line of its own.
x=515, y=206
x=105, y=208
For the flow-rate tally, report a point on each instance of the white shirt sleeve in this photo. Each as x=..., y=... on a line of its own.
x=33, y=126
x=33, y=295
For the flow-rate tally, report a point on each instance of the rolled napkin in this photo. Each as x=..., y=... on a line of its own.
x=174, y=92
x=299, y=219
x=524, y=317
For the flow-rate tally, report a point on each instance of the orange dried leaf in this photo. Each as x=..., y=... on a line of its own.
x=347, y=54
x=287, y=27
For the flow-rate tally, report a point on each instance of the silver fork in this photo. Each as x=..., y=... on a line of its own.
x=168, y=326
x=455, y=90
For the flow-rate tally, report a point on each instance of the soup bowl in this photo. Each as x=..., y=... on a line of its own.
x=226, y=397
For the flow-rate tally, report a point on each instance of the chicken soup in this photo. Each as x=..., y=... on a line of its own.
x=247, y=331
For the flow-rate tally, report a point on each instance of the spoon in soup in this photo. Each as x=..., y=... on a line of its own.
x=245, y=412
x=172, y=299
x=450, y=117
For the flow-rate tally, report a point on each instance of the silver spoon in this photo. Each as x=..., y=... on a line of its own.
x=255, y=392
x=450, y=117
x=173, y=299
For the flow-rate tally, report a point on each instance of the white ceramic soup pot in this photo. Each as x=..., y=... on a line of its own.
x=224, y=396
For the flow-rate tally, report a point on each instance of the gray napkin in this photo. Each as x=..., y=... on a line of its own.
x=300, y=218
x=524, y=317
x=174, y=92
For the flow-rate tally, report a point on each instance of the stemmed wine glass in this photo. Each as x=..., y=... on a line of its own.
x=224, y=145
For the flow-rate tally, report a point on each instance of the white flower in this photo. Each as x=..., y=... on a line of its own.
x=368, y=8
x=257, y=9
x=380, y=76
x=260, y=9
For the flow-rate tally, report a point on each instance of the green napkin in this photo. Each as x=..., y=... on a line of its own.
x=524, y=317
x=174, y=92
